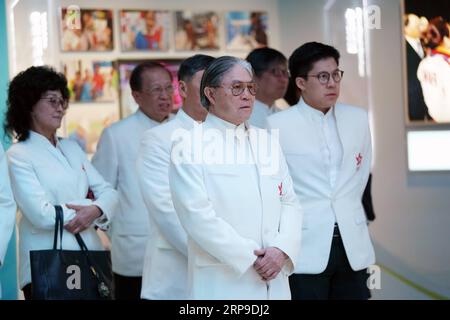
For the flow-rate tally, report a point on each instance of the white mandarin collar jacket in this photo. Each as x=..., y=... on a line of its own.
x=43, y=176
x=227, y=214
x=323, y=204
x=166, y=250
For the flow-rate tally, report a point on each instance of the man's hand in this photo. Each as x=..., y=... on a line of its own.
x=269, y=263
x=85, y=215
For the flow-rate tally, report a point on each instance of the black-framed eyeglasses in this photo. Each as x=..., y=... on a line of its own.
x=158, y=90
x=277, y=72
x=324, y=77
x=55, y=102
x=238, y=88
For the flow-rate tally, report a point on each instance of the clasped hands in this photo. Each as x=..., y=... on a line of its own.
x=269, y=263
x=83, y=219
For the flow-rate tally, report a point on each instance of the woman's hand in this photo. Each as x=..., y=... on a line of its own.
x=84, y=217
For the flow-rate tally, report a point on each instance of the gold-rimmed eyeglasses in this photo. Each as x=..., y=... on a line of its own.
x=55, y=102
x=238, y=88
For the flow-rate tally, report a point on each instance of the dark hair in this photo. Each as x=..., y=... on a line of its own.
x=302, y=59
x=136, y=74
x=24, y=91
x=441, y=26
x=261, y=59
x=192, y=65
x=293, y=93
x=215, y=72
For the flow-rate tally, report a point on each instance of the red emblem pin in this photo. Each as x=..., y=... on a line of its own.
x=280, y=188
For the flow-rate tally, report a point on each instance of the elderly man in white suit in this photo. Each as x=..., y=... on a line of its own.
x=238, y=208
x=7, y=209
x=167, y=246
x=115, y=159
x=328, y=151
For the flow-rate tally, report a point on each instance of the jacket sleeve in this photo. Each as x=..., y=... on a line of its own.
x=197, y=215
x=7, y=207
x=153, y=171
x=106, y=198
x=30, y=196
x=366, y=165
x=289, y=235
x=105, y=159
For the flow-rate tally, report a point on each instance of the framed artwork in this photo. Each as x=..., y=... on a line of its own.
x=196, y=31
x=91, y=80
x=245, y=30
x=144, y=30
x=85, y=123
x=125, y=67
x=93, y=31
x=426, y=32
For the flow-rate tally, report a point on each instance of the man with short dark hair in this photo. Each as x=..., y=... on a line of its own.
x=272, y=78
x=115, y=159
x=328, y=151
x=167, y=245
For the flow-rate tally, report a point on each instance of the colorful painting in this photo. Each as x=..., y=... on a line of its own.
x=196, y=31
x=91, y=81
x=89, y=30
x=246, y=30
x=144, y=30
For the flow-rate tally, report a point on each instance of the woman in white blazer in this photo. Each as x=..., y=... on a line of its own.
x=46, y=170
x=7, y=208
x=242, y=217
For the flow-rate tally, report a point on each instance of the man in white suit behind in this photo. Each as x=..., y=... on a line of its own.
x=115, y=159
x=233, y=195
x=7, y=209
x=328, y=150
x=166, y=251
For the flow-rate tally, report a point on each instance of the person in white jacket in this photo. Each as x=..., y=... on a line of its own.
x=167, y=247
x=115, y=159
x=272, y=77
x=233, y=196
x=7, y=209
x=328, y=150
x=46, y=170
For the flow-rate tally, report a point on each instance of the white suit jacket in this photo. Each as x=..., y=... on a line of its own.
x=7, y=207
x=43, y=176
x=320, y=202
x=115, y=159
x=165, y=262
x=227, y=214
x=260, y=113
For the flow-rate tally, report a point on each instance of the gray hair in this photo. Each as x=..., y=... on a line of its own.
x=214, y=74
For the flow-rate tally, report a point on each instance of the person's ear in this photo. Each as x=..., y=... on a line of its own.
x=210, y=94
x=300, y=83
x=182, y=89
x=136, y=95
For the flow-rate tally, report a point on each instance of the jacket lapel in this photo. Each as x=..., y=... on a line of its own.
x=345, y=137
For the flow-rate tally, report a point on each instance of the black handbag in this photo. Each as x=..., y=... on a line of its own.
x=59, y=274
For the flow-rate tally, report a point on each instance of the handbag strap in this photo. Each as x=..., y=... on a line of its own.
x=59, y=225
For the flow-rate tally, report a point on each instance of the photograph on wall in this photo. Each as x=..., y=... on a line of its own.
x=85, y=124
x=426, y=32
x=86, y=30
x=246, y=30
x=196, y=31
x=125, y=67
x=91, y=81
x=144, y=30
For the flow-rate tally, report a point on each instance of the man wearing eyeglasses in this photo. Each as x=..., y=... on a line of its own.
x=233, y=195
x=117, y=152
x=328, y=151
x=271, y=77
